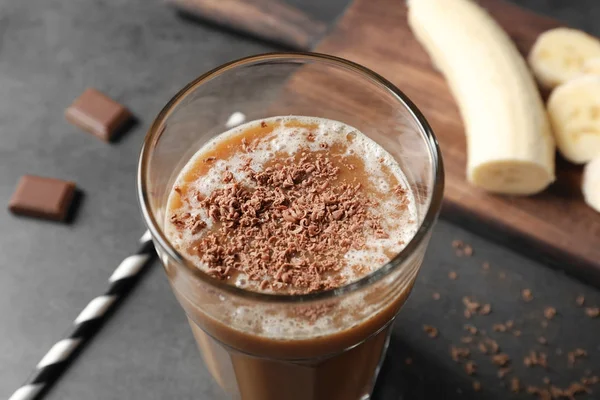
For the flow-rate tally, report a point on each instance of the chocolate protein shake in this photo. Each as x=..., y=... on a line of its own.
x=292, y=206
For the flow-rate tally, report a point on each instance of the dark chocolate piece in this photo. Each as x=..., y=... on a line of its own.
x=39, y=197
x=98, y=114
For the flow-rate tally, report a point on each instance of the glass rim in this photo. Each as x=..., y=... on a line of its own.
x=157, y=128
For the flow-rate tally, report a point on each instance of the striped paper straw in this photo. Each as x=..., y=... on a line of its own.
x=88, y=322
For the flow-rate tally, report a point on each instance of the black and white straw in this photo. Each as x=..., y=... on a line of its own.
x=88, y=322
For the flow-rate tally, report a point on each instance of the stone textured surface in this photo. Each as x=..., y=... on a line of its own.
x=140, y=53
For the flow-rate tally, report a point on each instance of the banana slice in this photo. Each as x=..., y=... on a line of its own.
x=591, y=67
x=591, y=184
x=510, y=148
x=559, y=55
x=574, y=109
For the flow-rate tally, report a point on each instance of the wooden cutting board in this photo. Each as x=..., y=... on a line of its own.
x=555, y=225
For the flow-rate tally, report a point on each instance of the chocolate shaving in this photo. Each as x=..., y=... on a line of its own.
x=572, y=356
x=546, y=380
x=492, y=345
x=459, y=353
x=470, y=368
x=431, y=331
x=515, y=385
x=501, y=359
x=485, y=309
x=592, y=312
x=472, y=329
x=549, y=312
x=542, y=340
x=482, y=348
x=535, y=358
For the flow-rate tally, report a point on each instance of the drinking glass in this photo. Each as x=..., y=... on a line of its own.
x=320, y=346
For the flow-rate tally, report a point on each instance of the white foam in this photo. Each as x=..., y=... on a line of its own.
x=289, y=140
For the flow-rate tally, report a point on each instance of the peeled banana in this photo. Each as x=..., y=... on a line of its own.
x=591, y=184
x=574, y=109
x=560, y=54
x=510, y=146
x=591, y=67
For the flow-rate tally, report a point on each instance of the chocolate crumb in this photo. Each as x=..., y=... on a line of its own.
x=546, y=380
x=436, y=296
x=457, y=244
x=485, y=266
x=501, y=359
x=556, y=392
x=470, y=305
x=485, y=309
x=431, y=331
x=467, y=314
x=544, y=324
x=492, y=345
x=592, y=312
x=472, y=329
x=459, y=353
x=470, y=367
x=466, y=339
x=527, y=295
x=482, y=348
x=515, y=385
x=542, y=340
x=263, y=124
x=572, y=356
x=517, y=333
x=502, y=372
x=549, y=312
x=468, y=251
x=535, y=358
x=209, y=159
x=589, y=381
x=476, y=386
x=576, y=388
x=580, y=300
x=509, y=324
x=452, y=275
x=499, y=328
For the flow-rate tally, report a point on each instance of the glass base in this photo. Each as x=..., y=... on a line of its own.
x=349, y=375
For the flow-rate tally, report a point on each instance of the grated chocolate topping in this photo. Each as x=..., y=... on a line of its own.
x=286, y=228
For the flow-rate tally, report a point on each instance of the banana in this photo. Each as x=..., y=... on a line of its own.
x=591, y=67
x=510, y=148
x=559, y=55
x=591, y=184
x=574, y=110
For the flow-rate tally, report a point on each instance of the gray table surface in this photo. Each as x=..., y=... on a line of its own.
x=141, y=53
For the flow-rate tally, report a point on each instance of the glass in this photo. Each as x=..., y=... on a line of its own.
x=322, y=346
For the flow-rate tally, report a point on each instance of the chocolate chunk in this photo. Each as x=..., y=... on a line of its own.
x=39, y=197
x=96, y=113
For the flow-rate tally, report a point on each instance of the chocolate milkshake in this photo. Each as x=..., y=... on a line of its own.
x=291, y=208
